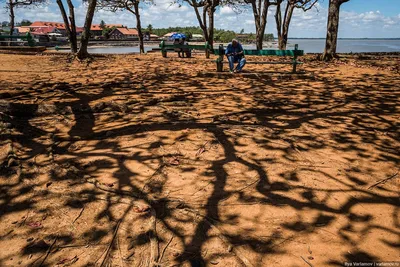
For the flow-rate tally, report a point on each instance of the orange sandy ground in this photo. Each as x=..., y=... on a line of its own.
x=132, y=160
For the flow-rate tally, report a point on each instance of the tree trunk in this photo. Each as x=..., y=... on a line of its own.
x=12, y=16
x=260, y=20
x=278, y=21
x=139, y=27
x=286, y=24
x=332, y=30
x=73, y=44
x=73, y=39
x=211, y=11
x=202, y=26
x=208, y=10
x=83, y=53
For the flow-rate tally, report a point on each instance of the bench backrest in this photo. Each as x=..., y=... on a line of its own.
x=163, y=46
x=27, y=37
x=265, y=52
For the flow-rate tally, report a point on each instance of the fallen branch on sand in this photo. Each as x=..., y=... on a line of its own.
x=159, y=169
x=79, y=215
x=153, y=233
x=112, y=190
x=153, y=240
x=383, y=180
x=110, y=245
x=48, y=251
x=201, y=150
x=306, y=261
x=165, y=248
x=237, y=251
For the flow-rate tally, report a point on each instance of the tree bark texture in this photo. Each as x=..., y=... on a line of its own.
x=332, y=29
x=83, y=53
x=260, y=13
x=71, y=37
x=139, y=27
x=12, y=16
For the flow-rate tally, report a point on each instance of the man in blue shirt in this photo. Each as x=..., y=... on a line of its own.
x=234, y=53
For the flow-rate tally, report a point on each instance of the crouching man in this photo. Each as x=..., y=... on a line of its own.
x=234, y=53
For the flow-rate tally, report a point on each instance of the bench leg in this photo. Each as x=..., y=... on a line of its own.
x=164, y=53
x=294, y=66
x=220, y=66
x=207, y=53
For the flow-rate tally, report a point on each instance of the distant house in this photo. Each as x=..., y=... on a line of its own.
x=147, y=36
x=45, y=30
x=154, y=37
x=197, y=37
x=124, y=34
x=49, y=26
x=23, y=30
x=166, y=36
x=96, y=30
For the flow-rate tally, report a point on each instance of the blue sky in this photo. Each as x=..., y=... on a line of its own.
x=359, y=18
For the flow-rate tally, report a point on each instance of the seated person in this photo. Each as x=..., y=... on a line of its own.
x=234, y=53
x=178, y=50
x=184, y=51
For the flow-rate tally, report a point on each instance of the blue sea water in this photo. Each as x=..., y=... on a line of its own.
x=308, y=45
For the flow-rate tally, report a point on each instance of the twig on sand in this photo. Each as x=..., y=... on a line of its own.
x=306, y=261
x=24, y=220
x=165, y=248
x=110, y=245
x=237, y=251
x=383, y=180
x=241, y=189
x=153, y=239
x=159, y=168
x=120, y=253
x=79, y=215
x=48, y=251
x=248, y=185
x=201, y=150
x=112, y=190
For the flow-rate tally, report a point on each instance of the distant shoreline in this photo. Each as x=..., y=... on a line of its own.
x=305, y=38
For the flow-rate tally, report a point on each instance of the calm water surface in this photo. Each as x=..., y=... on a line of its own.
x=347, y=46
x=308, y=45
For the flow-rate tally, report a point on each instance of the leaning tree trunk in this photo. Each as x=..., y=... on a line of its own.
x=278, y=21
x=211, y=11
x=259, y=41
x=72, y=40
x=12, y=16
x=286, y=24
x=260, y=18
x=139, y=27
x=83, y=53
x=332, y=30
x=202, y=22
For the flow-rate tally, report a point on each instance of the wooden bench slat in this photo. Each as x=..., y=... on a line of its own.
x=269, y=52
x=272, y=62
x=196, y=47
x=266, y=52
x=273, y=52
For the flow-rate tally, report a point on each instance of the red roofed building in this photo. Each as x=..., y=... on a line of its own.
x=23, y=30
x=45, y=27
x=96, y=30
x=58, y=25
x=124, y=34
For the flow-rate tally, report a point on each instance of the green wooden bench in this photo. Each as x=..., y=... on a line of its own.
x=267, y=52
x=173, y=47
x=28, y=37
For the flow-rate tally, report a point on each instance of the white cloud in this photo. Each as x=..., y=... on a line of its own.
x=226, y=11
x=165, y=14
